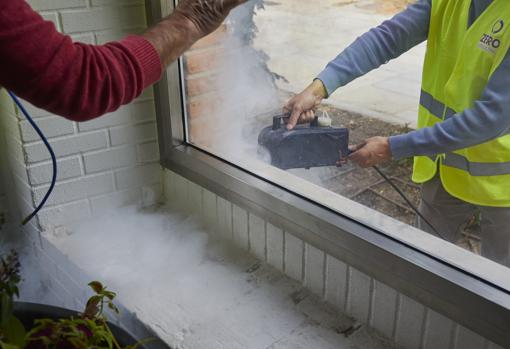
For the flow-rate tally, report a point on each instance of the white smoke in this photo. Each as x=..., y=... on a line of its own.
x=195, y=291
x=246, y=88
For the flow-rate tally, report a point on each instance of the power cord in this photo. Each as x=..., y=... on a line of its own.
x=401, y=193
x=50, y=150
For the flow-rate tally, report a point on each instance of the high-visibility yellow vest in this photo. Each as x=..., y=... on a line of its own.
x=459, y=62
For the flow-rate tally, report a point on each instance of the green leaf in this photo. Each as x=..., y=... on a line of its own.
x=94, y=300
x=8, y=346
x=15, y=332
x=110, y=295
x=15, y=290
x=5, y=309
x=113, y=307
x=108, y=340
x=96, y=286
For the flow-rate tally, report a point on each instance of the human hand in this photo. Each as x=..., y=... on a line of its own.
x=302, y=106
x=371, y=152
x=205, y=15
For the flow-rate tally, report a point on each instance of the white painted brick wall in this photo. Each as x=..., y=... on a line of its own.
x=4, y=174
x=394, y=315
x=52, y=217
x=336, y=282
x=53, y=17
x=138, y=176
x=76, y=189
x=410, y=321
x=68, y=168
x=105, y=36
x=181, y=190
x=494, y=346
x=275, y=246
x=294, y=249
x=359, y=297
x=224, y=208
x=439, y=331
x=103, y=163
x=86, y=38
x=32, y=110
x=384, y=305
x=101, y=18
x=19, y=174
x=240, y=227
x=209, y=208
x=14, y=172
x=109, y=159
x=467, y=339
x=314, y=269
x=195, y=198
x=65, y=146
x=127, y=134
x=46, y=5
x=52, y=126
x=257, y=234
x=114, y=2
x=147, y=152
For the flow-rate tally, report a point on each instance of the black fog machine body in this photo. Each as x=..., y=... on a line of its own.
x=305, y=146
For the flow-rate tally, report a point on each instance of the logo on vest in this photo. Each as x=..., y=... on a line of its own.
x=489, y=42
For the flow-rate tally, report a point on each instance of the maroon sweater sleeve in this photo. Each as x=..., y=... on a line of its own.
x=75, y=80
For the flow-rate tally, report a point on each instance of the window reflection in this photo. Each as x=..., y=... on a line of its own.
x=240, y=76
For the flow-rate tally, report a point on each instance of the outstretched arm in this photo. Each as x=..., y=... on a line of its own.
x=378, y=46
x=486, y=120
x=374, y=48
x=82, y=81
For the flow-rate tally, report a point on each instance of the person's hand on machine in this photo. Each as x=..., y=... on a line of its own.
x=302, y=106
x=372, y=152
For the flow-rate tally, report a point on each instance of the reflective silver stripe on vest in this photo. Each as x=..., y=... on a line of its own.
x=435, y=107
x=476, y=169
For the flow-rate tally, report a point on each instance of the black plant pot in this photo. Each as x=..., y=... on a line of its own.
x=28, y=312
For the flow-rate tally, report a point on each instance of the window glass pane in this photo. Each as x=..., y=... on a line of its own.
x=241, y=76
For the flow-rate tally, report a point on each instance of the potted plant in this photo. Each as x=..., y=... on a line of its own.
x=36, y=326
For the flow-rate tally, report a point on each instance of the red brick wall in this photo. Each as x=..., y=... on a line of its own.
x=201, y=64
x=226, y=87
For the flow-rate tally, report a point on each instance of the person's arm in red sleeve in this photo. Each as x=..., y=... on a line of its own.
x=81, y=81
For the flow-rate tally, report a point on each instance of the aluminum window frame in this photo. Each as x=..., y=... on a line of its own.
x=469, y=289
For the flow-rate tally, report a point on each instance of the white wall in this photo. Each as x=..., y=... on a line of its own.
x=104, y=163
x=3, y=187
x=396, y=316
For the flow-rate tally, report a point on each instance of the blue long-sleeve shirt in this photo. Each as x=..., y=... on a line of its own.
x=489, y=118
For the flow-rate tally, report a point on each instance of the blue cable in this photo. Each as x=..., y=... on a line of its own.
x=50, y=150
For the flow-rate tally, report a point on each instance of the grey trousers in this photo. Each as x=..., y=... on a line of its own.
x=449, y=216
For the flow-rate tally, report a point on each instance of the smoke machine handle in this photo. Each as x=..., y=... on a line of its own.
x=281, y=120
